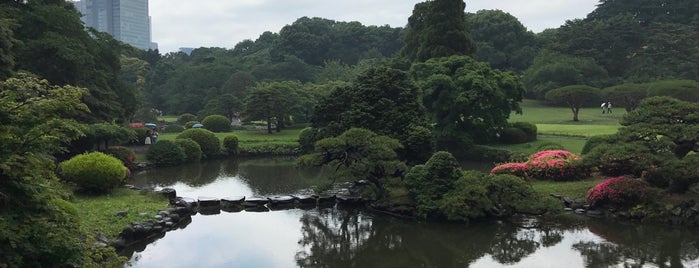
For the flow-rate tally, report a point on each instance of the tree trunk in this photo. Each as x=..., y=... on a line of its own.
x=575, y=114
x=269, y=125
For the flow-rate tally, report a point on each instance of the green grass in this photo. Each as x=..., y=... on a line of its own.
x=168, y=118
x=538, y=112
x=250, y=136
x=98, y=213
x=572, y=189
x=570, y=143
x=576, y=130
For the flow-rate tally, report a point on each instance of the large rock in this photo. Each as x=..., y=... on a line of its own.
x=255, y=201
x=232, y=201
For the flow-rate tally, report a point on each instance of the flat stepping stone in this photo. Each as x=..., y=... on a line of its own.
x=209, y=201
x=282, y=200
x=307, y=199
x=349, y=200
x=255, y=201
x=232, y=201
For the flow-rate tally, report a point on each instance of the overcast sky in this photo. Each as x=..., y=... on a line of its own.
x=216, y=23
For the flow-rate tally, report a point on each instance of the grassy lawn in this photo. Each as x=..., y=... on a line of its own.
x=535, y=111
x=570, y=143
x=98, y=213
x=572, y=189
x=168, y=118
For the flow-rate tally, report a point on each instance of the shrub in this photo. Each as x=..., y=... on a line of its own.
x=594, y=141
x=165, y=153
x=189, y=124
x=675, y=175
x=556, y=165
x=140, y=136
x=217, y=123
x=94, y=172
x=186, y=117
x=528, y=128
x=173, y=129
x=207, y=140
x=427, y=183
x=191, y=149
x=467, y=200
x=550, y=146
x=126, y=155
x=512, y=135
x=230, y=144
x=307, y=139
x=268, y=148
x=417, y=144
x=621, y=159
x=618, y=191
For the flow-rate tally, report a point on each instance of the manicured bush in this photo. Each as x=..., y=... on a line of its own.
x=621, y=159
x=189, y=124
x=550, y=146
x=191, y=149
x=618, y=191
x=528, y=128
x=173, y=129
x=217, y=123
x=556, y=165
x=675, y=175
x=126, y=155
x=417, y=144
x=513, y=135
x=207, y=140
x=94, y=172
x=186, y=117
x=307, y=139
x=594, y=141
x=230, y=145
x=165, y=153
x=427, y=183
x=268, y=148
x=467, y=200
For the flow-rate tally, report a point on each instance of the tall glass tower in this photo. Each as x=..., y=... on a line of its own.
x=125, y=20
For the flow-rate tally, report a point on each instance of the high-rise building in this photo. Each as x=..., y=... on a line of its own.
x=125, y=20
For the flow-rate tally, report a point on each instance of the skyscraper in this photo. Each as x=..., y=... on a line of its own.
x=125, y=20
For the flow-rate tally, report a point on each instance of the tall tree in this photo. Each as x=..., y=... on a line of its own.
x=467, y=100
x=574, y=97
x=437, y=29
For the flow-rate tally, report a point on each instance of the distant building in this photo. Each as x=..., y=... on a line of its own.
x=125, y=20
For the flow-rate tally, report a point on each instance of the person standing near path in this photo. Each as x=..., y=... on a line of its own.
x=148, y=139
x=154, y=136
x=609, y=107
x=603, y=106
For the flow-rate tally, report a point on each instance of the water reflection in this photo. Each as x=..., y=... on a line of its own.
x=332, y=237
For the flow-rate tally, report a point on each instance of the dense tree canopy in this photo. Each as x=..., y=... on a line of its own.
x=437, y=29
x=574, y=97
x=466, y=99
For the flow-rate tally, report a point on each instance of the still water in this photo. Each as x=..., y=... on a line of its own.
x=341, y=237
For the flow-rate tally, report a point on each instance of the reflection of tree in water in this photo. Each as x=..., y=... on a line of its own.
x=194, y=175
x=511, y=245
x=341, y=238
x=637, y=245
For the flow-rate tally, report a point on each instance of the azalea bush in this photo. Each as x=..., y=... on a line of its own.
x=621, y=159
x=556, y=165
x=619, y=191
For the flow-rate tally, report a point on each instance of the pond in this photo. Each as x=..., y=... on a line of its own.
x=345, y=237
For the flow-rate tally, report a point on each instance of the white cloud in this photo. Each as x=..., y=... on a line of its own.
x=215, y=23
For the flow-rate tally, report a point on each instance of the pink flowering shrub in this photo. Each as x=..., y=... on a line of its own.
x=619, y=191
x=557, y=165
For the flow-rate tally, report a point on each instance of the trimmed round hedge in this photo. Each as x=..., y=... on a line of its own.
x=173, y=129
x=207, y=140
x=192, y=150
x=230, y=144
x=93, y=172
x=217, y=123
x=165, y=153
x=186, y=117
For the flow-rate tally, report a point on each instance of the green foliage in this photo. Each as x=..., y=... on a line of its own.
x=626, y=95
x=621, y=159
x=417, y=144
x=269, y=148
x=686, y=90
x=126, y=155
x=552, y=70
x=108, y=134
x=467, y=100
x=94, y=172
x=173, y=129
x=216, y=123
x=597, y=140
x=513, y=135
x=185, y=118
x=359, y=154
x=191, y=149
x=437, y=29
x=36, y=230
x=165, y=153
x=675, y=175
x=230, y=145
x=207, y=140
x=189, y=124
x=549, y=146
x=308, y=138
x=574, y=97
x=529, y=129
x=467, y=200
x=427, y=183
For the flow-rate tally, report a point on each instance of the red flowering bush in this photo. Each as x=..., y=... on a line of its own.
x=557, y=165
x=619, y=191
